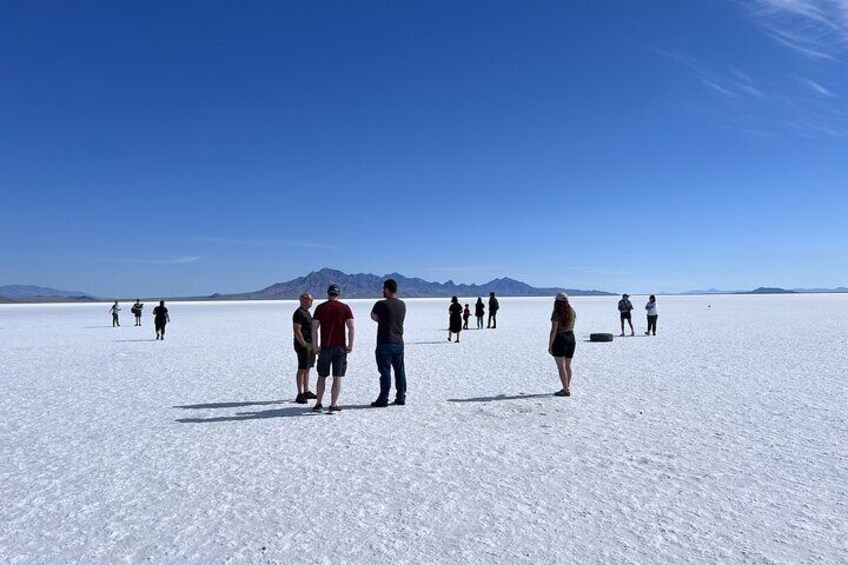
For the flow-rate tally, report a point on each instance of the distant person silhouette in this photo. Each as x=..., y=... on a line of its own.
x=493, y=311
x=651, y=307
x=561, y=342
x=161, y=318
x=114, y=310
x=390, y=314
x=624, y=309
x=330, y=320
x=302, y=329
x=136, y=310
x=479, y=311
x=455, y=323
x=465, y=315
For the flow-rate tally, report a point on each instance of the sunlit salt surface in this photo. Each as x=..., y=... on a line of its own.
x=720, y=440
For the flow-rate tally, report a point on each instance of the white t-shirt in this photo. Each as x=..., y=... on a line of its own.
x=651, y=307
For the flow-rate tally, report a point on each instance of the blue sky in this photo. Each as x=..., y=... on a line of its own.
x=189, y=148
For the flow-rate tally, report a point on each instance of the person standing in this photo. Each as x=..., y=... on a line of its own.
x=479, y=311
x=493, y=311
x=561, y=342
x=114, y=310
x=161, y=318
x=624, y=309
x=302, y=329
x=465, y=315
x=651, y=307
x=390, y=314
x=136, y=310
x=455, y=322
x=330, y=320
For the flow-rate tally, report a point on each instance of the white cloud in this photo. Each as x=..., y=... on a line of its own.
x=814, y=28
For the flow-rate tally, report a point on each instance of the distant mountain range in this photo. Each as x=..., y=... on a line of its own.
x=370, y=286
x=771, y=290
x=367, y=286
x=31, y=293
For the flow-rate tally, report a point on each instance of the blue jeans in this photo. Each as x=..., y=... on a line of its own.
x=390, y=355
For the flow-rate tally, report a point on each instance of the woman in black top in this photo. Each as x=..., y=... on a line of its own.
x=455, y=327
x=480, y=312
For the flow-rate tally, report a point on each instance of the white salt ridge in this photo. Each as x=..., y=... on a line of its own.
x=722, y=439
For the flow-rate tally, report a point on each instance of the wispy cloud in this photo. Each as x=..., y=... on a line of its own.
x=815, y=87
x=816, y=29
x=760, y=107
x=256, y=242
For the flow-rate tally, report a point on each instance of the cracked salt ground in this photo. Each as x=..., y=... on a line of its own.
x=719, y=440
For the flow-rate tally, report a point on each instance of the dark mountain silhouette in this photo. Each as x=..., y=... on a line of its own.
x=364, y=285
x=31, y=293
x=771, y=290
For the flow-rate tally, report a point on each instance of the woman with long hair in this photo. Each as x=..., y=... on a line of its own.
x=455, y=326
x=479, y=311
x=561, y=341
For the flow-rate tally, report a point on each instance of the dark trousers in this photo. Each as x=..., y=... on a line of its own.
x=479, y=322
x=652, y=324
x=493, y=320
x=390, y=356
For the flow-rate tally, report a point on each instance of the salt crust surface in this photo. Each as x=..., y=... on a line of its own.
x=721, y=440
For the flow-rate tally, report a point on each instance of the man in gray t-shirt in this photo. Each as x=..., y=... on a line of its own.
x=390, y=314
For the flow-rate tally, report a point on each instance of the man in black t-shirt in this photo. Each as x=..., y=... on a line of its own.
x=160, y=318
x=390, y=314
x=302, y=328
x=493, y=311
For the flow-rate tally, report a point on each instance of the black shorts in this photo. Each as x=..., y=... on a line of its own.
x=159, y=324
x=305, y=357
x=335, y=357
x=625, y=315
x=563, y=346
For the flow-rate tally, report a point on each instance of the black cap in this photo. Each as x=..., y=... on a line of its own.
x=390, y=285
x=334, y=289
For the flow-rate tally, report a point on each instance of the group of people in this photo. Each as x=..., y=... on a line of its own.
x=459, y=316
x=327, y=336
x=161, y=316
x=625, y=307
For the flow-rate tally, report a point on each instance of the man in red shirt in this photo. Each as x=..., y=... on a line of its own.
x=330, y=320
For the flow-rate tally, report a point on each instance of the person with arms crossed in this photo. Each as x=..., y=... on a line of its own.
x=302, y=329
x=330, y=320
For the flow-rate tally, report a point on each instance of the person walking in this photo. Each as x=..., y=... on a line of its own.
x=136, y=310
x=161, y=318
x=302, y=330
x=651, y=307
x=114, y=310
x=624, y=309
x=493, y=311
x=479, y=311
x=331, y=318
x=390, y=314
x=455, y=322
x=561, y=342
x=465, y=315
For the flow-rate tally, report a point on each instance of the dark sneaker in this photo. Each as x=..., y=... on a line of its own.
x=398, y=402
x=309, y=395
x=318, y=408
x=335, y=409
x=562, y=392
x=379, y=404
x=300, y=399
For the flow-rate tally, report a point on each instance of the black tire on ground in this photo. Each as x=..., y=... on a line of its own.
x=601, y=337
